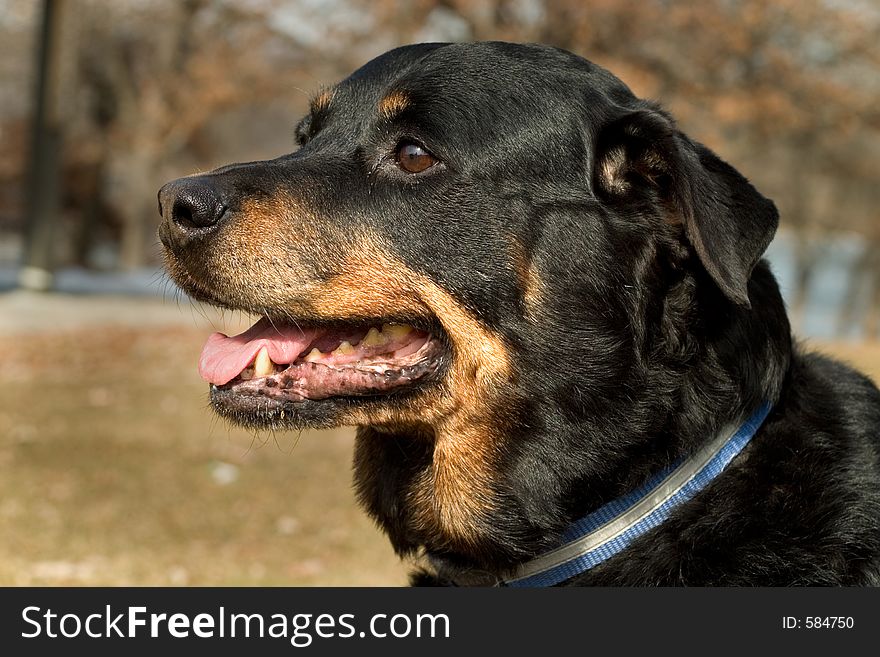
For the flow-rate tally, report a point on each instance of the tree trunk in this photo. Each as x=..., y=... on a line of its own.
x=44, y=173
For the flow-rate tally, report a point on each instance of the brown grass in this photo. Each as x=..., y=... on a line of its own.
x=113, y=471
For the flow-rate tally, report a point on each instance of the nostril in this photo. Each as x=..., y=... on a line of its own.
x=197, y=208
x=182, y=212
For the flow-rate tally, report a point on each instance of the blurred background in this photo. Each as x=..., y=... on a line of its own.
x=112, y=469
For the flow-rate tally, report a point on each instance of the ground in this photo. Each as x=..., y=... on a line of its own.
x=114, y=472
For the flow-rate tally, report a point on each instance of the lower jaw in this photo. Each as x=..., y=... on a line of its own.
x=260, y=412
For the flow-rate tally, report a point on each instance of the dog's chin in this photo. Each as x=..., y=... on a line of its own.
x=264, y=412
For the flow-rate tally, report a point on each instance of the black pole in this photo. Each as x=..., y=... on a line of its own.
x=43, y=169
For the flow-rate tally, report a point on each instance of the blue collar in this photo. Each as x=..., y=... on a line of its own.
x=608, y=530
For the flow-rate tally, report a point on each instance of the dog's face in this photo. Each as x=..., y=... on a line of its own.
x=477, y=245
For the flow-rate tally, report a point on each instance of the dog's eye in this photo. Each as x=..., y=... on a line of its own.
x=412, y=158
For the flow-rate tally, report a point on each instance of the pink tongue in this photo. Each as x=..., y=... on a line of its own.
x=223, y=358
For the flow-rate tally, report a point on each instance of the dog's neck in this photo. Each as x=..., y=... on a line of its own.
x=607, y=531
x=532, y=500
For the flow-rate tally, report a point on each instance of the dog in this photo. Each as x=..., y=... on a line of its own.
x=545, y=310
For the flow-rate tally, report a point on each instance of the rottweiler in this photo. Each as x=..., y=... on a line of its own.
x=545, y=310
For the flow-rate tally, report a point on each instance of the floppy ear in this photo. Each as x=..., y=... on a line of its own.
x=726, y=220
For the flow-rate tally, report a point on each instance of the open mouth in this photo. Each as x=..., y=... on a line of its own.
x=286, y=362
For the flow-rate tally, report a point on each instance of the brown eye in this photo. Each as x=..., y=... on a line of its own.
x=412, y=158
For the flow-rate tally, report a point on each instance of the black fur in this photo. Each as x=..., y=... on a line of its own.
x=654, y=323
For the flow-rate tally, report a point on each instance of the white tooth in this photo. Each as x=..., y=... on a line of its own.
x=344, y=349
x=263, y=365
x=395, y=331
x=373, y=338
x=314, y=356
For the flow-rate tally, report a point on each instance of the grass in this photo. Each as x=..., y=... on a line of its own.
x=114, y=472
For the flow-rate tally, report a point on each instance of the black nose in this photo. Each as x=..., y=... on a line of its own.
x=191, y=206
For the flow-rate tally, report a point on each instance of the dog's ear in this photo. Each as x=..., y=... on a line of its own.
x=725, y=219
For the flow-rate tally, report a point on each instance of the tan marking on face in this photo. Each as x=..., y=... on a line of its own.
x=255, y=260
x=612, y=171
x=393, y=104
x=322, y=101
x=529, y=281
x=373, y=283
x=534, y=290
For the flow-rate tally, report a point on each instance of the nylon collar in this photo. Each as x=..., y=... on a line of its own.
x=611, y=528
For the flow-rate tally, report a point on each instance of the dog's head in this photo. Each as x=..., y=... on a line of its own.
x=495, y=251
